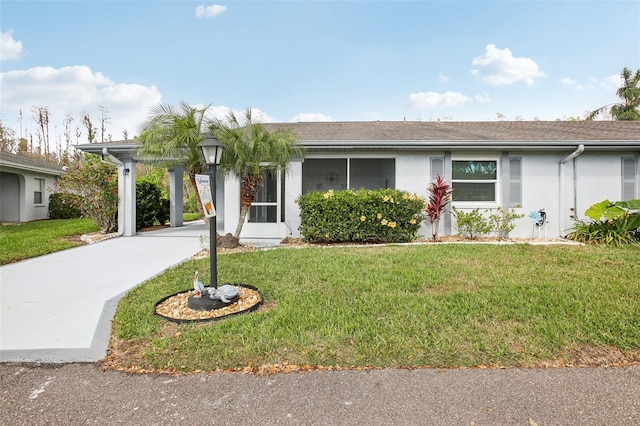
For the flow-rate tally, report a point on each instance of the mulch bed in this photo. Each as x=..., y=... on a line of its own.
x=176, y=307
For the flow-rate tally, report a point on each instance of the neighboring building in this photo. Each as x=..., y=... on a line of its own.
x=561, y=167
x=25, y=186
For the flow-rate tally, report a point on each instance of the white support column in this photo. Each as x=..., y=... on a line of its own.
x=176, y=174
x=127, y=203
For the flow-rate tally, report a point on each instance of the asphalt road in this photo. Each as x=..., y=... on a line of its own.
x=73, y=394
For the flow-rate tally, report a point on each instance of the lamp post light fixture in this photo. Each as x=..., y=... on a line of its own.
x=212, y=151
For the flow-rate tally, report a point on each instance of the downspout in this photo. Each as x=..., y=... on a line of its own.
x=571, y=157
x=115, y=160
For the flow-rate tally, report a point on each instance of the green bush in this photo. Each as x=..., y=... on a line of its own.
x=163, y=213
x=62, y=207
x=147, y=203
x=190, y=204
x=379, y=216
x=472, y=224
x=502, y=221
x=93, y=188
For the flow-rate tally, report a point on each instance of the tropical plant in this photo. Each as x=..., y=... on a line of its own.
x=629, y=92
x=171, y=135
x=611, y=224
x=440, y=194
x=250, y=151
x=93, y=189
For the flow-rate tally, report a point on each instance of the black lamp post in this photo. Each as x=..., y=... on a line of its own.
x=212, y=151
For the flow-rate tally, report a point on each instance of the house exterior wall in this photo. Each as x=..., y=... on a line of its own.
x=546, y=184
x=29, y=182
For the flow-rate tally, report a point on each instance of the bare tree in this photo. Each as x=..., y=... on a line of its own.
x=91, y=131
x=104, y=120
x=41, y=116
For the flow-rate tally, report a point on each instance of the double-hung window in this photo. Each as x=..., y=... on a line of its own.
x=475, y=180
x=38, y=192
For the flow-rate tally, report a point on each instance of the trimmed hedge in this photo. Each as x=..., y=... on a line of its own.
x=148, y=203
x=360, y=216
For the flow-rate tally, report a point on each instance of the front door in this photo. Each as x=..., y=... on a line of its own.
x=266, y=216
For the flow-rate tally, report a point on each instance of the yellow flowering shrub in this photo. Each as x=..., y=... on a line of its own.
x=341, y=216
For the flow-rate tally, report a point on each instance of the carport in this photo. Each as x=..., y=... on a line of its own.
x=123, y=155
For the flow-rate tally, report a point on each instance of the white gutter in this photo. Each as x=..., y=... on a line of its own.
x=574, y=154
x=114, y=160
x=579, y=150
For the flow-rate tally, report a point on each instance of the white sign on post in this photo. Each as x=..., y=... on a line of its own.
x=204, y=190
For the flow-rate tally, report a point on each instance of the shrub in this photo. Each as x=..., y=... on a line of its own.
x=163, y=214
x=147, y=203
x=190, y=204
x=93, y=189
x=502, y=221
x=472, y=224
x=385, y=215
x=612, y=224
x=62, y=207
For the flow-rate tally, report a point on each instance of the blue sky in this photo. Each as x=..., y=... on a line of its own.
x=314, y=60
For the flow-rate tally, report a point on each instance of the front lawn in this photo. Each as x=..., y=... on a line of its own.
x=31, y=239
x=444, y=305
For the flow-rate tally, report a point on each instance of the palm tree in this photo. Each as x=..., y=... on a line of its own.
x=172, y=136
x=250, y=151
x=629, y=92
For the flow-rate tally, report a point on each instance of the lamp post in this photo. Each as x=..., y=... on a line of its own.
x=212, y=151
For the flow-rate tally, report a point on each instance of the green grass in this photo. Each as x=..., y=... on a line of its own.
x=31, y=239
x=188, y=217
x=396, y=306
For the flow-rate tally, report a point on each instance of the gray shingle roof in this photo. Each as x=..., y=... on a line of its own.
x=28, y=163
x=464, y=131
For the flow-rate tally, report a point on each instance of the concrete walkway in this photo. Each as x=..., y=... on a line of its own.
x=59, y=307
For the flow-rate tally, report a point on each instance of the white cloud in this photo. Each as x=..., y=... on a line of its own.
x=572, y=83
x=433, y=99
x=612, y=82
x=9, y=47
x=443, y=78
x=500, y=67
x=310, y=116
x=210, y=11
x=482, y=98
x=221, y=112
x=73, y=90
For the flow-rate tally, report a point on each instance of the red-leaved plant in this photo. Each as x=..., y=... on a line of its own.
x=439, y=196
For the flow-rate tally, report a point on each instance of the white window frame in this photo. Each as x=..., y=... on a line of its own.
x=496, y=182
x=39, y=190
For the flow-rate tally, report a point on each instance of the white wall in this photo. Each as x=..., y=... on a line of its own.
x=546, y=184
x=28, y=210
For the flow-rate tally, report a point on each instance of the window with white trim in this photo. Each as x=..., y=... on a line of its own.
x=322, y=174
x=39, y=191
x=629, y=189
x=475, y=180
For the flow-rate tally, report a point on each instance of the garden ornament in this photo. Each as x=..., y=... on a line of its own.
x=226, y=293
x=197, y=286
x=538, y=217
